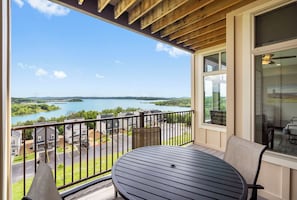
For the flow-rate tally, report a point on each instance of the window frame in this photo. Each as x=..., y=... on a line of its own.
x=220, y=71
x=266, y=49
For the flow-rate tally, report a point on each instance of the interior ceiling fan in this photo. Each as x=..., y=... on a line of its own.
x=268, y=58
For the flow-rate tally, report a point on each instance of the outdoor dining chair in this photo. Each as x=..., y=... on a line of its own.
x=146, y=137
x=246, y=157
x=43, y=186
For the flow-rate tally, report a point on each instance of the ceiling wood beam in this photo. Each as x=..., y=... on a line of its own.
x=202, y=31
x=102, y=4
x=186, y=9
x=198, y=25
x=165, y=7
x=122, y=6
x=80, y=2
x=215, y=8
x=210, y=40
x=141, y=9
x=209, y=45
x=205, y=37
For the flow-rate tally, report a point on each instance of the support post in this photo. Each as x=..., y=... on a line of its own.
x=5, y=172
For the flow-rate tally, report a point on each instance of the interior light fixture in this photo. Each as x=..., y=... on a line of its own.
x=266, y=59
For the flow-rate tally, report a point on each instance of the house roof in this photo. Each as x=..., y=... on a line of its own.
x=16, y=133
x=103, y=116
x=188, y=24
x=41, y=130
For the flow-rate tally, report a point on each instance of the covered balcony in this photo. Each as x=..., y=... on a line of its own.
x=243, y=83
x=83, y=163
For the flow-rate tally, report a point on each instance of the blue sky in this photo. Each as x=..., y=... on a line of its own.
x=61, y=52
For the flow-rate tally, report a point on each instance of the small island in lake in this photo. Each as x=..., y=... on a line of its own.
x=181, y=102
x=31, y=108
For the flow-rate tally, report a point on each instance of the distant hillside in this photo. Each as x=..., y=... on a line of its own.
x=76, y=98
x=44, y=99
x=181, y=102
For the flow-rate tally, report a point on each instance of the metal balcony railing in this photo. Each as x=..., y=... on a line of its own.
x=79, y=151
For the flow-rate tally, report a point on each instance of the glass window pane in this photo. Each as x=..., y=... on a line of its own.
x=215, y=99
x=223, y=61
x=211, y=63
x=276, y=25
x=276, y=101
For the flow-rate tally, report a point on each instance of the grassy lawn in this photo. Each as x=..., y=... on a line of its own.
x=177, y=140
x=30, y=156
x=104, y=139
x=19, y=158
x=68, y=148
x=17, y=188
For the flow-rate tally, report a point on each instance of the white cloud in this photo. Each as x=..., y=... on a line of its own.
x=40, y=72
x=172, y=51
x=60, y=74
x=25, y=66
x=45, y=7
x=99, y=76
x=118, y=62
x=20, y=3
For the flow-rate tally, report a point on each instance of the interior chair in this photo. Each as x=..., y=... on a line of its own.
x=146, y=137
x=246, y=157
x=265, y=131
x=44, y=187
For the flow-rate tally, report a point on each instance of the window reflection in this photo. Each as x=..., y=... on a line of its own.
x=276, y=101
x=211, y=63
x=215, y=99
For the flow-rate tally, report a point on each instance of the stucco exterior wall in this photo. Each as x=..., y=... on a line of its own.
x=278, y=172
x=209, y=135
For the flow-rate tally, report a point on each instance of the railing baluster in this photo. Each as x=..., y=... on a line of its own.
x=64, y=157
x=35, y=152
x=123, y=134
x=55, y=149
x=118, y=130
x=175, y=130
x=94, y=149
x=128, y=127
x=79, y=150
x=106, y=149
x=24, y=158
x=72, y=153
x=100, y=145
x=111, y=142
x=45, y=145
x=88, y=149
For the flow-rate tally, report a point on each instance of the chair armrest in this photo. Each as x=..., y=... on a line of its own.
x=26, y=198
x=258, y=187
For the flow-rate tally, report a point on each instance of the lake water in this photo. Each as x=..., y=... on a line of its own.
x=97, y=105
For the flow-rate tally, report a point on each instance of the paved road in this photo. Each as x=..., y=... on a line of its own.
x=79, y=154
x=119, y=143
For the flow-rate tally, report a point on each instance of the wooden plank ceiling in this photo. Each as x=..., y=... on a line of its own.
x=188, y=24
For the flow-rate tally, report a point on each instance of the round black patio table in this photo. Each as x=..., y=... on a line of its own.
x=168, y=172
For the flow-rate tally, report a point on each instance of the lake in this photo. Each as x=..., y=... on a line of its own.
x=97, y=105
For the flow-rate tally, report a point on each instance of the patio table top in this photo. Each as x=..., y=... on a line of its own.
x=167, y=172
